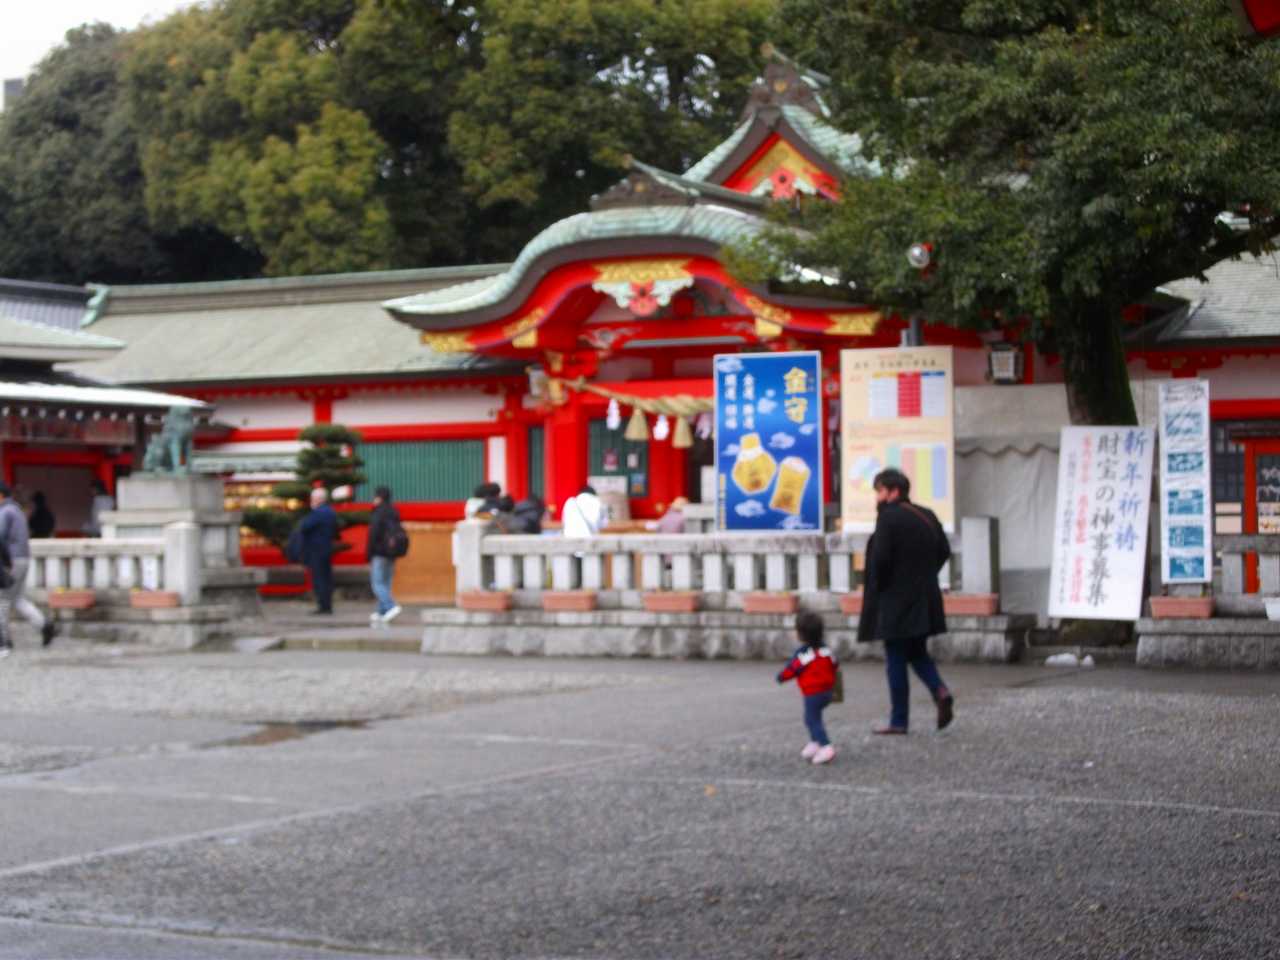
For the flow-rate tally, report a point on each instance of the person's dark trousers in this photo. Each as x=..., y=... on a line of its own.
x=897, y=655
x=814, y=704
x=322, y=586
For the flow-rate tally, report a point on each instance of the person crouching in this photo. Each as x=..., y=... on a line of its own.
x=813, y=667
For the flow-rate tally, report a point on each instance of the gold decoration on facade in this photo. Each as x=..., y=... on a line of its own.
x=783, y=156
x=766, y=311
x=447, y=342
x=523, y=333
x=861, y=324
x=642, y=271
x=766, y=329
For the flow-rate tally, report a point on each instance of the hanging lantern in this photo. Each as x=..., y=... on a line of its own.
x=613, y=419
x=704, y=426
x=662, y=429
x=637, y=428
x=683, y=438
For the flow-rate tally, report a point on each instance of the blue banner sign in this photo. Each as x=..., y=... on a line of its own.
x=769, y=441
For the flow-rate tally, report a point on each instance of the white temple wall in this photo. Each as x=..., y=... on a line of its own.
x=429, y=406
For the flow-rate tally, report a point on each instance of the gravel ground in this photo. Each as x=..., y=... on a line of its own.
x=539, y=809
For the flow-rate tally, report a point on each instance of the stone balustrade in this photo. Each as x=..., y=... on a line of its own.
x=721, y=567
x=114, y=567
x=1231, y=598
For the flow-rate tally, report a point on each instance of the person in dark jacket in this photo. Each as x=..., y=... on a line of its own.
x=384, y=527
x=902, y=603
x=527, y=516
x=319, y=530
x=41, y=522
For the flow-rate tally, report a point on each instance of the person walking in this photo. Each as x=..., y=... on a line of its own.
x=387, y=542
x=15, y=536
x=101, y=503
x=319, y=530
x=902, y=603
x=813, y=666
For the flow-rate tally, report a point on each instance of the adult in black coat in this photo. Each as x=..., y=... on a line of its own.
x=319, y=530
x=902, y=603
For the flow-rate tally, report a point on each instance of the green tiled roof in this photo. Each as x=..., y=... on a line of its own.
x=27, y=338
x=710, y=223
x=843, y=149
x=707, y=165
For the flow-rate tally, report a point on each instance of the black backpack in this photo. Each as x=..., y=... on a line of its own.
x=397, y=540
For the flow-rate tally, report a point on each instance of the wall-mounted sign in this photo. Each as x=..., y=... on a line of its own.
x=768, y=441
x=897, y=412
x=1186, y=500
x=1100, y=532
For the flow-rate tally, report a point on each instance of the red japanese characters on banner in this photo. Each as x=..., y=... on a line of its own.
x=1100, y=540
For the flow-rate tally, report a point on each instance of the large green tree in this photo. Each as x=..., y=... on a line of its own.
x=71, y=204
x=568, y=88
x=1063, y=159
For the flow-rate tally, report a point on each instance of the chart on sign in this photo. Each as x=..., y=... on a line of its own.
x=897, y=412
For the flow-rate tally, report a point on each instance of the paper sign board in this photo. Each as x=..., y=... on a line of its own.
x=768, y=441
x=1186, y=499
x=1100, y=532
x=897, y=411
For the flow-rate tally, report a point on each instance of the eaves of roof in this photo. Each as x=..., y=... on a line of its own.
x=709, y=225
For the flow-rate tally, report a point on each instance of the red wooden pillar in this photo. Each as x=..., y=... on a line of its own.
x=566, y=451
x=516, y=432
x=667, y=469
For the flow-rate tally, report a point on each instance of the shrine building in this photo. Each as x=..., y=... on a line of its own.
x=508, y=372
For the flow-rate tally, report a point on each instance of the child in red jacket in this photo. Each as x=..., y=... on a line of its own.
x=814, y=668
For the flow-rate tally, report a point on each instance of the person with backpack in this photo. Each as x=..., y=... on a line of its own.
x=388, y=541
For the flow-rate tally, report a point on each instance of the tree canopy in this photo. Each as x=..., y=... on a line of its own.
x=306, y=136
x=1063, y=159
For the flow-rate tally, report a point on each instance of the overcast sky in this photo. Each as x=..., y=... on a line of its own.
x=32, y=27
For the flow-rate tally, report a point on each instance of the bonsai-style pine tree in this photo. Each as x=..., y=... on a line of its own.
x=327, y=460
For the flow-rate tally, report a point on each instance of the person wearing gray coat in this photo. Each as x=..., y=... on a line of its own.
x=15, y=537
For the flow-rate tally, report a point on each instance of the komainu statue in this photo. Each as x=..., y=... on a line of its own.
x=169, y=451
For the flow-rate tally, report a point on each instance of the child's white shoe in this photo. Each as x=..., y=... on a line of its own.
x=824, y=754
x=810, y=749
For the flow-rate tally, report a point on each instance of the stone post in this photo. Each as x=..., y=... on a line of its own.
x=980, y=555
x=468, y=561
x=182, y=561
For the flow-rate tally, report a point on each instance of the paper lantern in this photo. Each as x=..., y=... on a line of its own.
x=662, y=429
x=613, y=419
x=637, y=428
x=683, y=438
x=704, y=426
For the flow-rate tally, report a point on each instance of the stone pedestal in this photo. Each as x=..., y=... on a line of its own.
x=149, y=504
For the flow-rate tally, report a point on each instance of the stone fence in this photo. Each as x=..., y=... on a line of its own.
x=721, y=567
x=1231, y=599
x=112, y=569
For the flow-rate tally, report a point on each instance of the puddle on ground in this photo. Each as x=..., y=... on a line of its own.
x=269, y=733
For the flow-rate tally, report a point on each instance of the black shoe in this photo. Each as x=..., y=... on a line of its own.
x=48, y=632
x=946, y=710
x=320, y=613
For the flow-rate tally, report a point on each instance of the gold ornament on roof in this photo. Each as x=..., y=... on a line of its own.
x=447, y=342
x=642, y=271
x=523, y=333
x=860, y=324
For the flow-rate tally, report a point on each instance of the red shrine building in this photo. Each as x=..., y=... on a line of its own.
x=507, y=372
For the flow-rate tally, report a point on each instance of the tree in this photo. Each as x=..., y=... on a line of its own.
x=1063, y=158
x=567, y=89
x=72, y=206
x=327, y=459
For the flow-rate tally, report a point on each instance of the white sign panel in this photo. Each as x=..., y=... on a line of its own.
x=1100, y=534
x=1186, y=533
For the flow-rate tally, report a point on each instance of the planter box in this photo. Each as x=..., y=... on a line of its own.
x=72, y=599
x=572, y=601
x=769, y=602
x=970, y=604
x=490, y=600
x=1181, y=608
x=153, y=599
x=851, y=603
x=672, y=601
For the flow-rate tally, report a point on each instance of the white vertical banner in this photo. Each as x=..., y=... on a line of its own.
x=1186, y=530
x=1100, y=532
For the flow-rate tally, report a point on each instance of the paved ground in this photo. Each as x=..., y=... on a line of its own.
x=204, y=805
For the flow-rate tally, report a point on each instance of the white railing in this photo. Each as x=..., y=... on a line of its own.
x=622, y=567
x=117, y=566
x=1235, y=549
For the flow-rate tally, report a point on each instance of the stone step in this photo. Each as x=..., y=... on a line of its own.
x=1038, y=653
x=367, y=640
